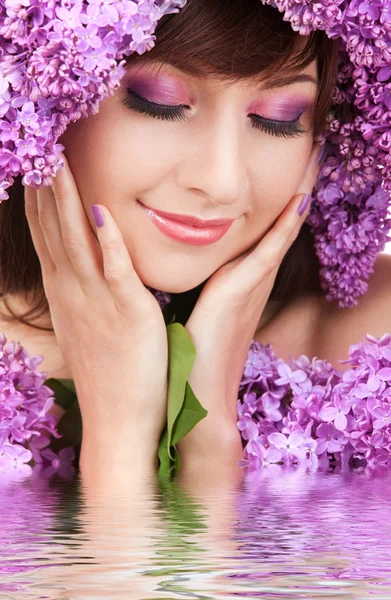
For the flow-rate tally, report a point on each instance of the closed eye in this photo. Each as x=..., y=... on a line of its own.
x=286, y=129
x=152, y=109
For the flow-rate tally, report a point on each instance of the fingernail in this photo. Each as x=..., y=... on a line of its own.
x=98, y=217
x=322, y=155
x=304, y=204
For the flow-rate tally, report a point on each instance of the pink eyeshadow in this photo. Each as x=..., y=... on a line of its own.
x=280, y=109
x=160, y=89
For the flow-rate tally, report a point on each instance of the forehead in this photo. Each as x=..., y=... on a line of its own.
x=281, y=77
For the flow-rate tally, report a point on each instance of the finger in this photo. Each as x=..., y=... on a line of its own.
x=78, y=239
x=125, y=285
x=37, y=236
x=50, y=226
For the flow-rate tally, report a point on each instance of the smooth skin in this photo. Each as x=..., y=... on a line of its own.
x=107, y=325
x=112, y=334
x=213, y=164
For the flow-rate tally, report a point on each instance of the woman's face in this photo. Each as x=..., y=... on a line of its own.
x=214, y=157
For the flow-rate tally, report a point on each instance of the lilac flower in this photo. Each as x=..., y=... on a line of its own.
x=271, y=403
x=60, y=463
x=258, y=456
x=248, y=427
x=378, y=457
x=67, y=57
x=329, y=439
x=370, y=8
x=25, y=425
x=71, y=56
x=291, y=446
x=347, y=246
x=344, y=417
x=312, y=460
x=382, y=414
x=259, y=362
x=269, y=455
x=14, y=457
x=336, y=412
x=250, y=403
x=296, y=379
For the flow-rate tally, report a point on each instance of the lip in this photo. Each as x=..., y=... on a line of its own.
x=187, y=219
x=188, y=233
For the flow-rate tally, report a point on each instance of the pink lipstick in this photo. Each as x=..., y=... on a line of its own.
x=188, y=229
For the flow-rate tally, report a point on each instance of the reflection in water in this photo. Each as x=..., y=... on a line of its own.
x=271, y=535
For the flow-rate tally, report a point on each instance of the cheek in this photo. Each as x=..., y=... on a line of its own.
x=115, y=156
x=276, y=175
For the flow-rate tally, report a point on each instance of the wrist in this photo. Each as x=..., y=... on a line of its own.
x=111, y=475
x=213, y=441
x=125, y=454
x=121, y=413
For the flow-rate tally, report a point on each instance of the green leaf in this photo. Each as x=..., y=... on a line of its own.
x=164, y=457
x=64, y=391
x=70, y=427
x=181, y=359
x=192, y=412
x=70, y=424
x=184, y=410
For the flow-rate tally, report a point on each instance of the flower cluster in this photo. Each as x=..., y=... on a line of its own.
x=310, y=414
x=303, y=413
x=25, y=425
x=58, y=60
x=352, y=195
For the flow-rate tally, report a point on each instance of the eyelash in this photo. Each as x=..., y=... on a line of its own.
x=285, y=129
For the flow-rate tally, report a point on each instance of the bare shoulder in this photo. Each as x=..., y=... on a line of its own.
x=295, y=328
x=339, y=328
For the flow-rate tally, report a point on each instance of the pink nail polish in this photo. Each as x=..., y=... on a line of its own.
x=98, y=217
x=304, y=204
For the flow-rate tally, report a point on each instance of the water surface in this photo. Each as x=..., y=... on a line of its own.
x=275, y=534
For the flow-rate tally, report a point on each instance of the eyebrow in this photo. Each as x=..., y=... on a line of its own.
x=277, y=82
x=268, y=84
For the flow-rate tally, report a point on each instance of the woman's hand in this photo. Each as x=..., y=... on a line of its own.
x=108, y=325
x=222, y=326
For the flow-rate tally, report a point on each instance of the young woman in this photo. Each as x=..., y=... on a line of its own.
x=218, y=121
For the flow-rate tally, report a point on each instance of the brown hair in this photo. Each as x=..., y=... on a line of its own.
x=232, y=39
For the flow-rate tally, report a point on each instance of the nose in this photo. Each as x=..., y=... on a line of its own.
x=215, y=162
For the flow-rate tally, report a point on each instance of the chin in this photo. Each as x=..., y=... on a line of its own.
x=169, y=286
x=167, y=280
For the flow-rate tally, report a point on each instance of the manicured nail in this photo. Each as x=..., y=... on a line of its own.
x=304, y=204
x=98, y=217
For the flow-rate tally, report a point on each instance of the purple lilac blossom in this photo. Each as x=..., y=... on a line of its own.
x=58, y=61
x=349, y=214
x=338, y=418
x=25, y=425
x=303, y=414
